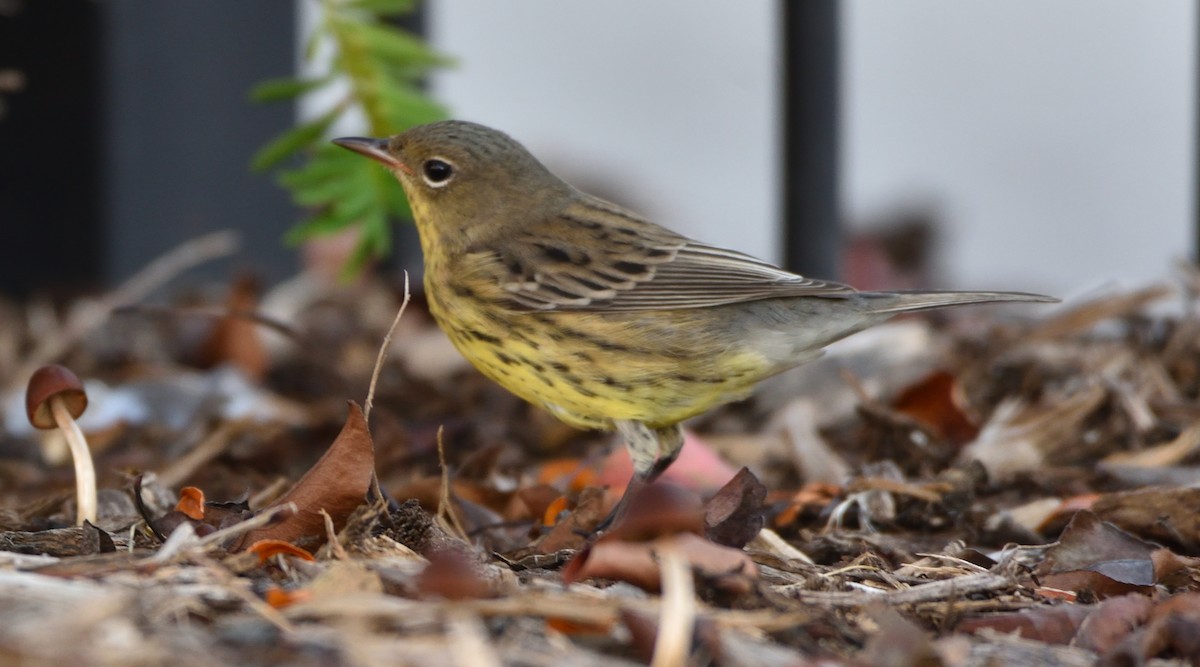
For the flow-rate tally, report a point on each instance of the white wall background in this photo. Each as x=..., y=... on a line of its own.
x=667, y=107
x=1054, y=137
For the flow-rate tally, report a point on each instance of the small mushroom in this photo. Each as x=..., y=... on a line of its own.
x=54, y=399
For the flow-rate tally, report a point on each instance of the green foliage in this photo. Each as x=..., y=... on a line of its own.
x=381, y=68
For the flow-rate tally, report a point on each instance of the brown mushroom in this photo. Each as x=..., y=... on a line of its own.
x=54, y=399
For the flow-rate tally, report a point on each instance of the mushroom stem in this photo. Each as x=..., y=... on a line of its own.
x=85, y=472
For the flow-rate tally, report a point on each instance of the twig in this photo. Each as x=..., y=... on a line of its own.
x=445, y=511
x=934, y=590
x=383, y=350
x=591, y=609
x=214, y=312
x=257, y=521
x=183, y=540
x=158, y=272
x=335, y=545
x=208, y=449
x=961, y=562
x=269, y=493
x=675, y=624
x=469, y=642
x=239, y=588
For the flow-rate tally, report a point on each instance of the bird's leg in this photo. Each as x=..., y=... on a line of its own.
x=652, y=450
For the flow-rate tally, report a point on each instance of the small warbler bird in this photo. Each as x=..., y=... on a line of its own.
x=605, y=319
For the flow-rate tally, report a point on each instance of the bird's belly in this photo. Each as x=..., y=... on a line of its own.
x=592, y=369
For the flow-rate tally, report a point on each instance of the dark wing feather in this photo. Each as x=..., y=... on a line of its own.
x=597, y=257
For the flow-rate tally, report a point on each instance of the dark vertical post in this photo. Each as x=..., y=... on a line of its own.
x=50, y=175
x=180, y=129
x=812, y=238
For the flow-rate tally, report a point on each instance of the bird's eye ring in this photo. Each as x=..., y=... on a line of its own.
x=437, y=172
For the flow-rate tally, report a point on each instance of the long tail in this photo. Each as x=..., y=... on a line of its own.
x=901, y=302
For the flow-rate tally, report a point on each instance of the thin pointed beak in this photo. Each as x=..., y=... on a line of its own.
x=376, y=149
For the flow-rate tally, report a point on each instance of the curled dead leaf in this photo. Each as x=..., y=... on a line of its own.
x=191, y=503
x=735, y=514
x=337, y=483
x=280, y=598
x=937, y=402
x=636, y=562
x=1097, y=556
x=268, y=549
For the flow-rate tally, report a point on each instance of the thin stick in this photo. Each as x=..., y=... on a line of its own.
x=213, y=312
x=445, y=510
x=336, y=549
x=158, y=272
x=383, y=350
x=240, y=588
x=183, y=541
x=206, y=450
x=678, y=617
x=933, y=591
x=469, y=642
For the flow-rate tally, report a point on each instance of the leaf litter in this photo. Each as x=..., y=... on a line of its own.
x=985, y=487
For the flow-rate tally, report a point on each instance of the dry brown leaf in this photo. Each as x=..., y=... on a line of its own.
x=937, y=402
x=1062, y=513
x=1018, y=437
x=1053, y=625
x=571, y=531
x=235, y=339
x=532, y=503
x=898, y=642
x=337, y=483
x=1096, y=556
x=636, y=562
x=734, y=515
x=1166, y=454
x=657, y=510
x=1112, y=621
x=1173, y=630
x=1164, y=515
x=1174, y=571
x=811, y=499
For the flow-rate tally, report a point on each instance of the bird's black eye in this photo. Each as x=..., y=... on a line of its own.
x=437, y=172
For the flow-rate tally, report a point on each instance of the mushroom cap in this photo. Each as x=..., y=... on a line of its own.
x=46, y=383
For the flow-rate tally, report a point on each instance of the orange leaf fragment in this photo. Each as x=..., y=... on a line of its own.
x=936, y=401
x=236, y=339
x=268, y=549
x=574, y=472
x=553, y=510
x=191, y=503
x=279, y=598
x=813, y=497
x=569, y=627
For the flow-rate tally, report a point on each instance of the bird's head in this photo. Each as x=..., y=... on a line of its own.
x=461, y=175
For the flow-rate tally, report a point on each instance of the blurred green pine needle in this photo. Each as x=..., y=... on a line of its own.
x=382, y=68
